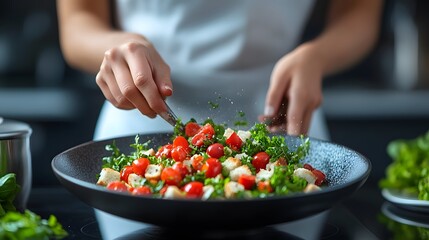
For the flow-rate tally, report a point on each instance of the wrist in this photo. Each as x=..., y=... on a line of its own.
x=312, y=55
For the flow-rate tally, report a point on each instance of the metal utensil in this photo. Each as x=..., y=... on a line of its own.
x=169, y=116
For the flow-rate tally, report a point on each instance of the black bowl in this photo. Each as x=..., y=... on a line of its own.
x=346, y=171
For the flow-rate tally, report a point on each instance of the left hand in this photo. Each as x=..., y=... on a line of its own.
x=295, y=91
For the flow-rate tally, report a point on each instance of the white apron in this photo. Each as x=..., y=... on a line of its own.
x=219, y=52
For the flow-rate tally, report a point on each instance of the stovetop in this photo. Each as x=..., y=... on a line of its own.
x=357, y=217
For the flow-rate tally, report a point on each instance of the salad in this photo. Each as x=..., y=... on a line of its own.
x=211, y=161
x=409, y=170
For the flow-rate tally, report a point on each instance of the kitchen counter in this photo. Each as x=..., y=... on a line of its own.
x=357, y=217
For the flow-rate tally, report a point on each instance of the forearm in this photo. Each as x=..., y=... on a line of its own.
x=351, y=33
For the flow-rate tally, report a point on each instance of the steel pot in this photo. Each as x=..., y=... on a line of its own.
x=15, y=156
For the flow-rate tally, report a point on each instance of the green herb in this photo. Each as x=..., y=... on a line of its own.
x=213, y=105
x=198, y=177
x=241, y=122
x=119, y=160
x=218, y=184
x=28, y=225
x=284, y=182
x=8, y=190
x=409, y=171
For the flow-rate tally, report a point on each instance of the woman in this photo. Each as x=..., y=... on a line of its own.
x=242, y=56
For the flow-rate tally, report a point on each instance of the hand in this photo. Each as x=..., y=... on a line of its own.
x=295, y=91
x=133, y=75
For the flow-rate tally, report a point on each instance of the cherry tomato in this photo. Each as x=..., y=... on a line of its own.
x=179, y=153
x=260, y=160
x=140, y=165
x=181, y=141
x=205, y=133
x=265, y=186
x=182, y=168
x=234, y=141
x=125, y=172
x=194, y=189
x=320, y=176
x=164, y=151
x=143, y=190
x=197, y=162
x=117, y=186
x=171, y=176
x=212, y=167
x=215, y=150
x=248, y=181
x=308, y=167
x=192, y=128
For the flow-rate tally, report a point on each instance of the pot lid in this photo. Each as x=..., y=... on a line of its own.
x=10, y=129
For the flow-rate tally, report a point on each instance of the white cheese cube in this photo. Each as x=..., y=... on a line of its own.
x=231, y=163
x=306, y=174
x=232, y=188
x=237, y=172
x=263, y=175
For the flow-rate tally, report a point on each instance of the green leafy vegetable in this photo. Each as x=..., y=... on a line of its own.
x=28, y=225
x=8, y=190
x=409, y=171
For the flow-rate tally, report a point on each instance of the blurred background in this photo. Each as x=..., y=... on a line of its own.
x=383, y=98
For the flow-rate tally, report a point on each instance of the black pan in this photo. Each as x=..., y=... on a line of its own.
x=346, y=171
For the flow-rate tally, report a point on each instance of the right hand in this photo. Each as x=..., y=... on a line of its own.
x=133, y=75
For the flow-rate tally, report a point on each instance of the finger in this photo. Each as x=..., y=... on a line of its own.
x=162, y=77
x=278, y=87
x=295, y=115
x=129, y=90
x=306, y=121
x=142, y=76
x=107, y=83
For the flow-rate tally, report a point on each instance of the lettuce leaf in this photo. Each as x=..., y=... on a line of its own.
x=409, y=170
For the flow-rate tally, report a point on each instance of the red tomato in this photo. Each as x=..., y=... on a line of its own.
x=180, y=141
x=234, y=141
x=194, y=189
x=117, y=186
x=215, y=150
x=260, y=160
x=248, y=181
x=182, y=168
x=265, y=186
x=192, y=128
x=205, y=133
x=179, y=153
x=125, y=172
x=164, y=151
x=308, y=167
x=197, y=162
x=143, y=190
x=140, y=165
x=212, y=167
x=320, y=176
x=171, y=176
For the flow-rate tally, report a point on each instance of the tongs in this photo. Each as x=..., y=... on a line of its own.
x=170, y=117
